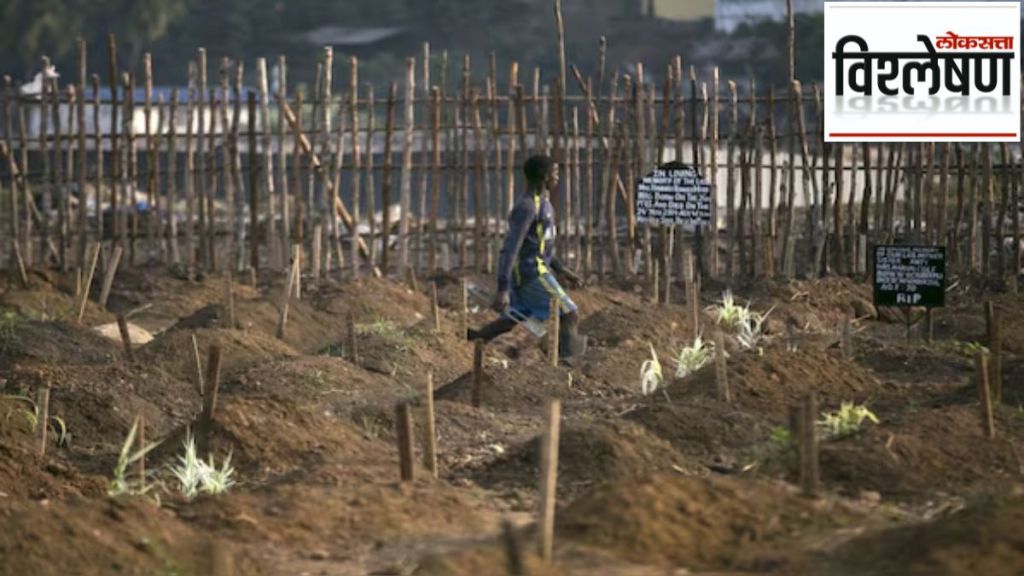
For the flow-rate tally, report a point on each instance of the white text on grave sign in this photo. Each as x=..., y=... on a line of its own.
x=910, y=276
x=675, y=196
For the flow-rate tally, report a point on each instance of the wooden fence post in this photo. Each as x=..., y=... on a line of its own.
x=209, y=399
x=126, y=338
x=353, y=341
x=87, y=287
x=463, y=308
x=478, y=373
x=809, y=471
x=198, y=362
x=43, y=418
x=995, y=345
x=988, y=425
x=286, y=300
x=430, y=430
x=513, y=550
x=846, y=338
x=554, y=321
x=404, y=433
x=721, y=372
x=108, y=279
x=549, y=480
x=435, y=309
x=140, y=441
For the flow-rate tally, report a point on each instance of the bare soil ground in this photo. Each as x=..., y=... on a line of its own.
x=671, y=483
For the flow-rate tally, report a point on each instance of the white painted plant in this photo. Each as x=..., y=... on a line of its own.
x=650, y=374
x=196, y=476
x=694, y=357
x=120, y=486
x=847, y=420
x=728, y=313
x=750, y=333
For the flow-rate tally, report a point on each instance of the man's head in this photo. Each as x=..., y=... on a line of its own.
x=541, y=172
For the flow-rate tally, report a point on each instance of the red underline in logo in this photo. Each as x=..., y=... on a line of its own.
x=922, y=134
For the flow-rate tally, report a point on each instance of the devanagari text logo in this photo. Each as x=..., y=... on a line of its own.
x=922, y=71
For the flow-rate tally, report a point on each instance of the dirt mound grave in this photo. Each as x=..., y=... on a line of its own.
x=24, y=475
x=926, y=452
x=371, y=299
x=46, y=301
x=271, y=437
x=98, y=403
x=408, y=352
x=701, y=523
x=588, y=454
x=769, y=383
x=716, y=434
x=321, y=380
x=984, y=539
x=344, y=516
x=108, y=536
x=512, y=386
x=240, y=349
x=161, y=298
x=631, y=319
x=52, y=343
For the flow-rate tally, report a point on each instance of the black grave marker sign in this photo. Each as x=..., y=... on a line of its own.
x=910, y=276
x=673, y=196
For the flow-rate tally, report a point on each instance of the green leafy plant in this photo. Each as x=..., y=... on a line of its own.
x=694, y=357
x=120, y=485
x=971, y=349
x=728, y=313
x=197, y=476
x=8, y=331
x=846, y=421
x=782, y=436
x=31, y=416
x=651, y=376
x=387, y=330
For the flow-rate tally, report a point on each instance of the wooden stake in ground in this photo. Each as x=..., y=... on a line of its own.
x=549, y=480
x=846, y=338
x=809, y=471
x=463, y=309
x=429, y=430
x=721, y=373
x=84, y=296
x=353, y=343
x=478, y=373
x=995, y=345
x=108, y=279
x=403, y=434
x=410, y=275
x=435, y=309
x=988, y=425
x=126, y=338
x=43, y=418
x=554, y=320
x=513, y=551
x=209, y=400
x=198, y=362
x=692, y=294
x=229, y=297
x=286, y=300
x=141, y=443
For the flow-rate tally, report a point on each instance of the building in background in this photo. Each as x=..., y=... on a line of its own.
x=730, y=14
x=682, y=10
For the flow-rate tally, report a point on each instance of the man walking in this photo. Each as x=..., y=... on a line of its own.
x=527, y=265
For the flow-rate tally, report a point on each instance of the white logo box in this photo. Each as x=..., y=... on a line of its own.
x=961, y=40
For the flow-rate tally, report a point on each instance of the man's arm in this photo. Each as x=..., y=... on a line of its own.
x=518, y=227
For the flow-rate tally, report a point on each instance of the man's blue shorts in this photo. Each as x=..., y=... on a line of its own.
x=533, y=298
